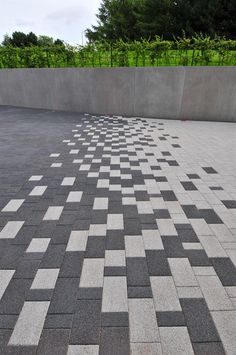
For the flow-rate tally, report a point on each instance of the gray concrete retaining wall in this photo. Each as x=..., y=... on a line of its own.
x=199, y=93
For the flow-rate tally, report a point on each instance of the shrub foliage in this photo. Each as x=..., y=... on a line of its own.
x=195, y=51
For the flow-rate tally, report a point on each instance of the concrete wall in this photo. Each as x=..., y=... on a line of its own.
x=199, y=93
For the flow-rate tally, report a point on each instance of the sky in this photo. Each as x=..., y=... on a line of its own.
x=64, y=19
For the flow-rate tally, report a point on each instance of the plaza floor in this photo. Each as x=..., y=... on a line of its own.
x=117, y=235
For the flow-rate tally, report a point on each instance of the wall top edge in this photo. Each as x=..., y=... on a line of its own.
x=174, y=68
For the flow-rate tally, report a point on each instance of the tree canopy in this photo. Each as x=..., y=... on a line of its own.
x=135, y=19
x=21, y=39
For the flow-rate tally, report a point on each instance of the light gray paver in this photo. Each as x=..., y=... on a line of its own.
x=92, y=273
x=68, y=181
x=35, y=177
x=114, y=297
x=189, y=292
x=83, y=350
x=77, y=241
x=114, y=258
x=146, y=348
x=115, y=222
x=45, y=279
x=53, y=213
x=100, y=203
x=38, y=191
x=11, y=229
x=147, y=330
x=214, y=293
x=212, y=246
x=166, y=227
x=74, y=196
x=38, y=245
x=164, y=294
x=134, y=246
x=13, y=205
x=200, y=227
x=175, y=341
x=98, y=229
x=182, y=272
x=152, y=240
x=5, y=278
x=30, y=323
x=225, y=322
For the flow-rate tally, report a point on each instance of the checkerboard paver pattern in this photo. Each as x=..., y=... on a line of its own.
x=122, y=241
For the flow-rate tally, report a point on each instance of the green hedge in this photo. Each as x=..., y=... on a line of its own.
x=195, y=51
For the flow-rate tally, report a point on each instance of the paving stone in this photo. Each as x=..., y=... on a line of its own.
x=134, y=246
x=8, y=321
x=53, y=213
x=199, y=321
x=92, y=273
x=212, y=246
x=132, y=226
x=208, y=348
x=198, y=258
x=164, y=294
x=225, y=271
x=187, y=235
x=201, y=227
x=166, y=227
x=114, y=297
x=64, y=296
x=170, y=319
x=38, y=245
x=14, y=296
x=38, y=191
x=226, y=326
x=189, y=292
x=100, y=203
x=137, y=272
x=115, y=222
x=86, y=322
x=95, y=247
x=157, y=263
x=90, y=293
x=97, y=230
x=173, y=247
x=152, y=240
x=182, y=272
x=72, y=264
x=114, y=340
x=115, y=258
x=175, y=340
x=53, y=257
x=147, y=330
x=115, y=319
x=45, y=279
x=11, y=229
x=58, y=321
x=74, y=197
x=83, y=350
x=5, y=278
x=146, y=348
x=35, y=178
x=204, y=271
x=214, y=293
x=13, y=205
x=139, y=292
x=68, y=181
x=30, y=323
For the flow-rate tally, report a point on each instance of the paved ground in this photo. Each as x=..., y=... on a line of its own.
x=117, y=236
